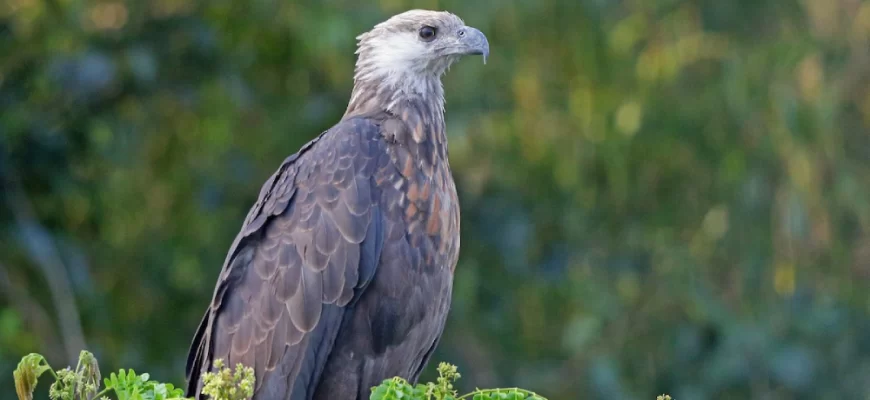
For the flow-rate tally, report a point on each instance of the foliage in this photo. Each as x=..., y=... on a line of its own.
x=399, y=389
x=28, y=372
x=228, y=385
x=657, y=195
x=225, y=384
x=129, y=386
x=83, y=383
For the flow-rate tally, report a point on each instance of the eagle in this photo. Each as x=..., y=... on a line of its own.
x=342, y=272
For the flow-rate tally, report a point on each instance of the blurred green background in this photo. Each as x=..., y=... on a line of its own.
x=657, y=195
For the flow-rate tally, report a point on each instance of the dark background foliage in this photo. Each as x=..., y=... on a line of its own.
x=657, y=195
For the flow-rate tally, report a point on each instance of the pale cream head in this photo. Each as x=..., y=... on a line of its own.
x=411, y=50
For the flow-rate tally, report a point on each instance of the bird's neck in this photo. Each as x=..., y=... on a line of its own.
x=393, y=92
x=418, y=101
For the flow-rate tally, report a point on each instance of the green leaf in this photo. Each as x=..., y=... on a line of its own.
x=30, y=368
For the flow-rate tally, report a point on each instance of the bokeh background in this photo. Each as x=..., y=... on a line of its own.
x=657, y=195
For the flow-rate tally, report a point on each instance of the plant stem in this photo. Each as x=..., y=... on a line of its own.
x=50, y=369
x=484, y=391
x=75, y=386
x=102, y=392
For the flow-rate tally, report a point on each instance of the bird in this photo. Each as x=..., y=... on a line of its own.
x=341, y=275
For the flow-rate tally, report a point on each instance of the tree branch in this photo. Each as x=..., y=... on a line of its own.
x=41, y=248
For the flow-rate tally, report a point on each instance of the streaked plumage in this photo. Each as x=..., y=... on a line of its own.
x=342, y=273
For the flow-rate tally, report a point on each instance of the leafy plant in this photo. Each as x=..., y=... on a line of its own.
x=129, y=386
x=83, y=383
x=399, y=389
x=27, y=374
x=225, y=385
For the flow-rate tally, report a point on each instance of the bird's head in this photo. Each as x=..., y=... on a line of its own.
x=416, y=47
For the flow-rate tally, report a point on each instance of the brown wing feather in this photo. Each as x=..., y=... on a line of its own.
x=309, y=245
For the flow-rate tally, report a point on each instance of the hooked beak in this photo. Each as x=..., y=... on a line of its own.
x=472, y=42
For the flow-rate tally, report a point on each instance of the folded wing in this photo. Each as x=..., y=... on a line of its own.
x=309, y=247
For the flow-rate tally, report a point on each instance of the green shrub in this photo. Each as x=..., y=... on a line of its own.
x=83, y=383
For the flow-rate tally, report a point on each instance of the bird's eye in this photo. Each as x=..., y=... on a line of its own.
x=427, y=33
